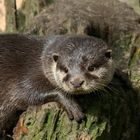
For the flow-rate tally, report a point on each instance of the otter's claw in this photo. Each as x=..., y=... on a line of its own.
x=74, y=112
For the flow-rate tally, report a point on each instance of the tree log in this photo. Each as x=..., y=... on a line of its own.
x=111, y=114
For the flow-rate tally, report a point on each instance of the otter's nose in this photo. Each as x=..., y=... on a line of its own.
x=77, y=83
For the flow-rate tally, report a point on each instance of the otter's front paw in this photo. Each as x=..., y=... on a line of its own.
x=74, y=112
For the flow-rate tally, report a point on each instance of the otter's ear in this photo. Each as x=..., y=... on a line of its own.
x=55, y=57
x=108, y=53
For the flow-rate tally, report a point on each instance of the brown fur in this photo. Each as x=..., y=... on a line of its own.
x=27, y=73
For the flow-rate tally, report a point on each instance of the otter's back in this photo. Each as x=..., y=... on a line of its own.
x=18, y=52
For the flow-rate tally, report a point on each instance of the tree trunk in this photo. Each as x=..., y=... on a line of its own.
x=11, y=15
x=111, y=114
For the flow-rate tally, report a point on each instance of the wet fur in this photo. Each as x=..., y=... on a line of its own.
x=28, y=73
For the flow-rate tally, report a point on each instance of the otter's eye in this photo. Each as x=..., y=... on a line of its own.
x=92, y=68
x=64, y=69
x=108, y=54
x=55, y=57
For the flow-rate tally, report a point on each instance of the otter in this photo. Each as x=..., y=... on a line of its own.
x=37, y=70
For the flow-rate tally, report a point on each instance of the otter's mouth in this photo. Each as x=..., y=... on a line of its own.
x=80, y=91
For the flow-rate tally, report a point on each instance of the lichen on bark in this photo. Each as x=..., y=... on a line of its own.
x=110, y=113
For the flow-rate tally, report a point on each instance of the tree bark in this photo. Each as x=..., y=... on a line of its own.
x=111, y=114
x=11, y=21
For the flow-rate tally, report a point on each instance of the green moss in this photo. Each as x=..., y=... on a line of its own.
x=21, y=20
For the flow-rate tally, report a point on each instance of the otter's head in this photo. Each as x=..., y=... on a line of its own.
x=79, y=64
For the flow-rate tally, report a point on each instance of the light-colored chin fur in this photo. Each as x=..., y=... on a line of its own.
x=106, y=73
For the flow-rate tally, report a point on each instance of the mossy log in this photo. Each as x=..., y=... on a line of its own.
x=111, y=114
